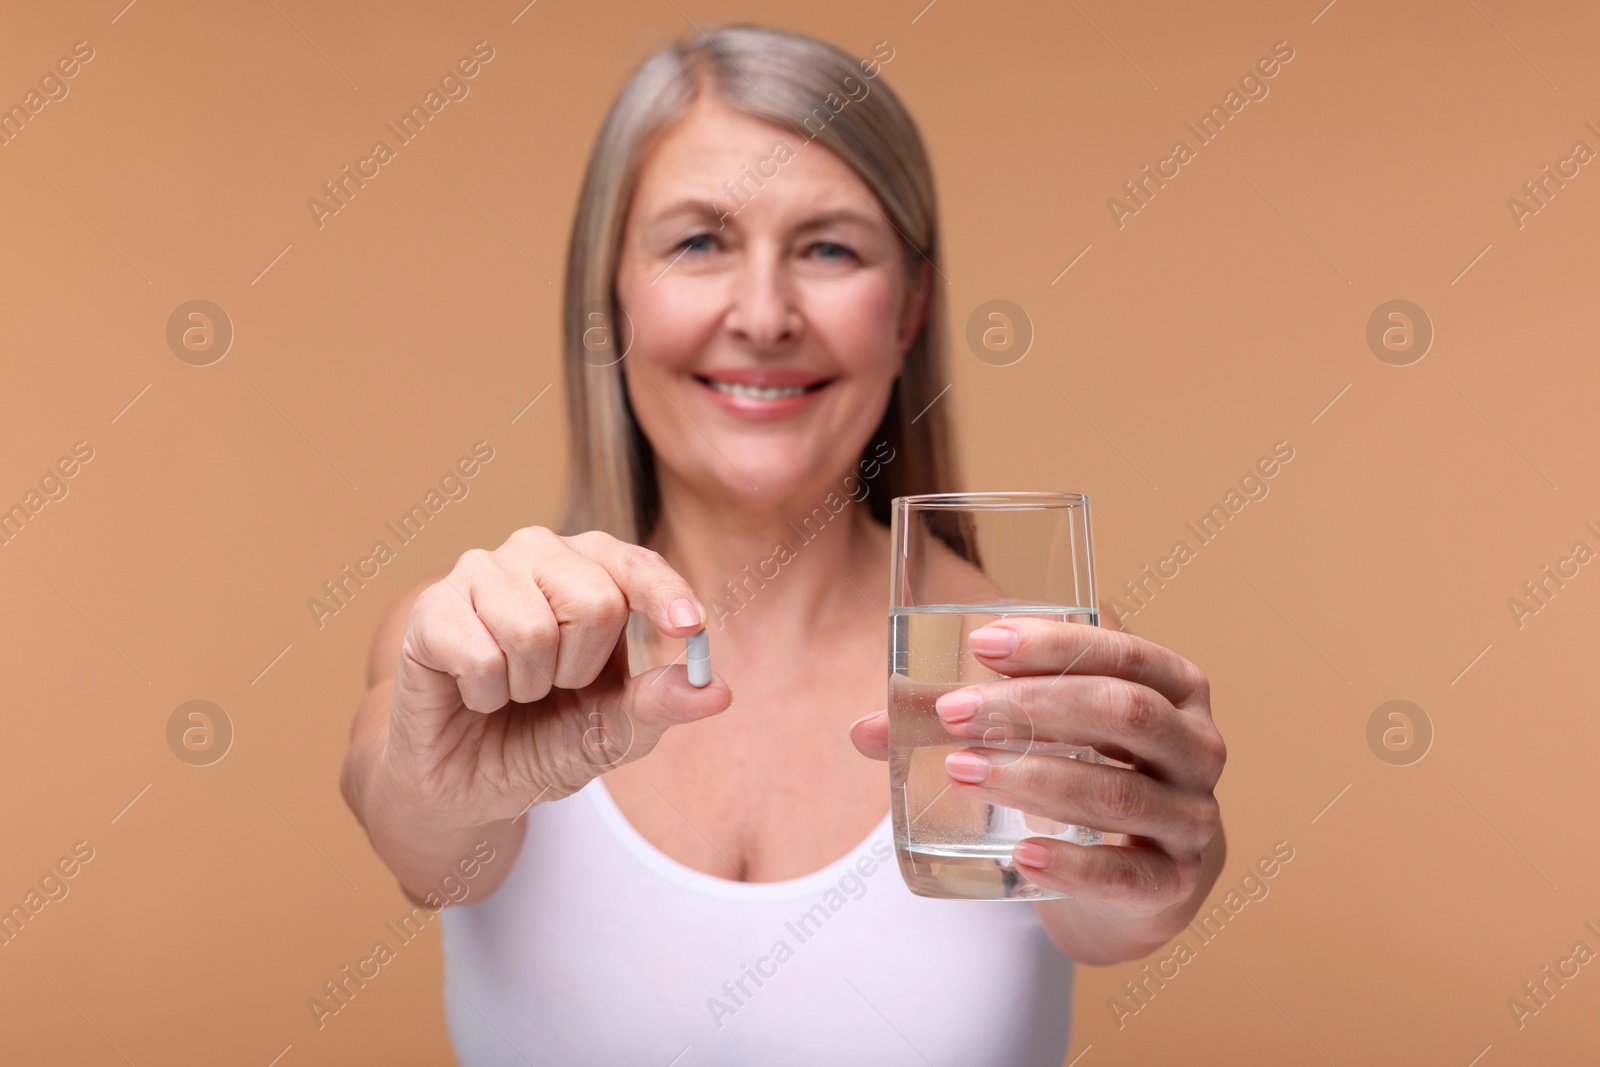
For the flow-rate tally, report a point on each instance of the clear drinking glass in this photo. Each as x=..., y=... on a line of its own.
x=961, y=561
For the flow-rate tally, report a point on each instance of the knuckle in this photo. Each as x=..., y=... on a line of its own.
x=601, y=604
x=631, y=565
x=999, y=720
x=528, y=635
x=429, y=604
x=473, y=559
x=646, y=558
x=537, y=684
x=1069, y=642
x=1035, y=695
x=1125, y=877
x=1185, y=877
x=1033, y=776
x=476, y=698
x=544, y=634
x=1208, y=753
x=1216, y=750
x=641, y=567
x=1106, y=695
x=482, y=665
x=1133, y=712
x=1143, y=715
x=1124, y=797
x=530, y=539
x=590, y=539
x=1207, y=819
x=1131, y=655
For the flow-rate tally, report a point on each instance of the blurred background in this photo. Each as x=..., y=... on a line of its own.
x=1378, y=260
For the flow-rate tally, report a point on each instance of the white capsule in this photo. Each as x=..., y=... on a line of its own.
x=699, y=645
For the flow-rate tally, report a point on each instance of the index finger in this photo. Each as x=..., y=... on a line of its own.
x=649, y=583
x=1024, y=645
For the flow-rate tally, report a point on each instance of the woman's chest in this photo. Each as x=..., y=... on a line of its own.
x=772, y=788
x=596, y=951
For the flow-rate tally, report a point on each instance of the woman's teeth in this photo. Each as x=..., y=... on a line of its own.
x=770, y=392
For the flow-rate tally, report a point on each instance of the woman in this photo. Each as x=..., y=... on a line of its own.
x=758, y=216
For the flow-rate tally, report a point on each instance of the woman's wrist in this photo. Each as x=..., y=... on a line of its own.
x=420, y=846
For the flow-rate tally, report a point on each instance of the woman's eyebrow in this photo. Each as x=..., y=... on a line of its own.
x=828, y=218
x=710, y=209
x=698, y=208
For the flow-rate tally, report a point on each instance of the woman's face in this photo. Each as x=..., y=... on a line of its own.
x=770, y=306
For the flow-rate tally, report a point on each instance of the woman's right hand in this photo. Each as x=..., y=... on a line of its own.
x=513, y=685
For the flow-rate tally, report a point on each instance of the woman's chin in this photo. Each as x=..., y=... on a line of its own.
x=782, y=482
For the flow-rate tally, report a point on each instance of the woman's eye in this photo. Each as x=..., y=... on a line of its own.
x=830, y=250
x=690, y=243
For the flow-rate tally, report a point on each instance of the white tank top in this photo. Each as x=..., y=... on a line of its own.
x=601, y=950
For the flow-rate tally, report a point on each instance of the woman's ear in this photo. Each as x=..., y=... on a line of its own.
x=915, y=309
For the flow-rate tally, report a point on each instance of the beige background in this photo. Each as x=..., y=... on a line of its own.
x=1223, y=318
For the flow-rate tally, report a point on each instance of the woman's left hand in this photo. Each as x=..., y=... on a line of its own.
x=1133, y=701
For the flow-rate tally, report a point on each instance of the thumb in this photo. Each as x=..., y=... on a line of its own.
x=628, y=724
x=663, y=698
x=870, y=734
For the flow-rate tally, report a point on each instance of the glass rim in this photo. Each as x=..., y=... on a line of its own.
x=996, y=501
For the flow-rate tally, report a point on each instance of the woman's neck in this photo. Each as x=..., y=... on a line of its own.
x=776, y=575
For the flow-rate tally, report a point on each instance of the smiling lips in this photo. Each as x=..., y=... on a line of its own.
x=760, y=395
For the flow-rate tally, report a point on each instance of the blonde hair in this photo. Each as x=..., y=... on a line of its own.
x=786, y=78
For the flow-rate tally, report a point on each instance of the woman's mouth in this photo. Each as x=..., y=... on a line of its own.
x=760, y=392
x=765, y=394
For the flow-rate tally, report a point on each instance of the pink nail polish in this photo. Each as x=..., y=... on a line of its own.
x=970, y=767
x=1030, y=854
x=958, y=706
x=683, y=613
x=864, y=718
x=992, y=641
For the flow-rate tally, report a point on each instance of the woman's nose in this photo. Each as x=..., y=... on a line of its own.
x=765, y=312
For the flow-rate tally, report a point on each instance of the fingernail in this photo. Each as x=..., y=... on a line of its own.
x=959, y=705
x=1030, y=854
x=993, y=641
x=971, y=767
x=683, y=612
x=864, y=718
